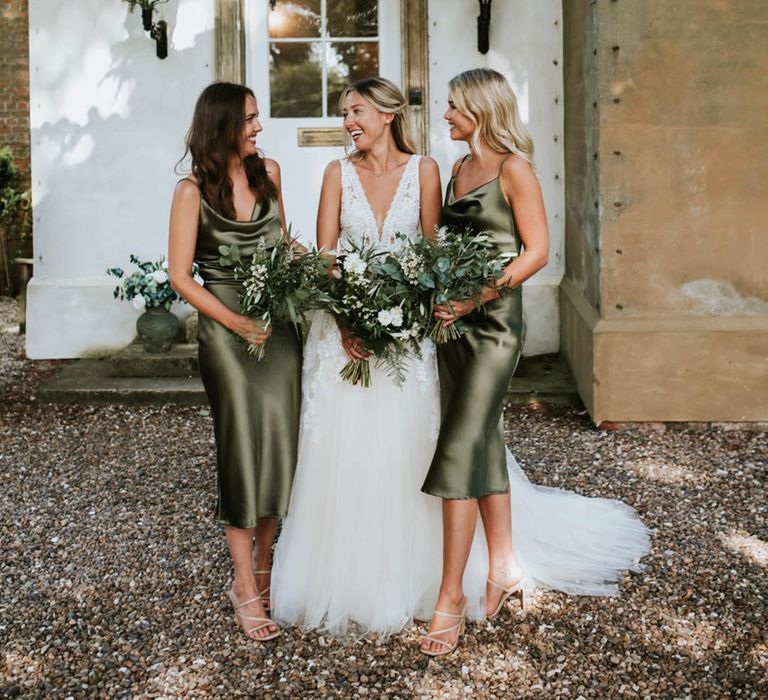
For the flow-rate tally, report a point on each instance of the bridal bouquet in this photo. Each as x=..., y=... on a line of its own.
x=370, y=295
x=458, y=264
x=279, y=284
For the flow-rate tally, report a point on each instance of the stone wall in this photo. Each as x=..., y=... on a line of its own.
x=677, y=325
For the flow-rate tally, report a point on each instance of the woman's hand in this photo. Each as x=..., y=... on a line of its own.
x=351, y=344
x=252, y=330
x=452, y=311
x=297, y=248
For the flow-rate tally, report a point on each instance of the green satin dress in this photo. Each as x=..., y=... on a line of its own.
x=475, y=370
x=255, y=405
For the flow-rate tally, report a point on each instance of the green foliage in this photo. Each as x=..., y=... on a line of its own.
x=149, y=287
x=455, y=266
x=133, y=4
x=14, y=200
x=280, y=283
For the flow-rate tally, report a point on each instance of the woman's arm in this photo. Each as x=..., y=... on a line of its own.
x=328, y=215
x=522, y=191
x=329, y=209
x=430, y=193
x=185, y=212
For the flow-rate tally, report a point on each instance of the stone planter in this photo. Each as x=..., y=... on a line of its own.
x=157, y=329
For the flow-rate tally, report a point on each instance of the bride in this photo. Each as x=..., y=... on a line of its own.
x=356, y=551
x=360, y=549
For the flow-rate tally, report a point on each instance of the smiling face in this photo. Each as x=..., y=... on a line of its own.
x=251, y=126
x=462, y=126
x=364, y=123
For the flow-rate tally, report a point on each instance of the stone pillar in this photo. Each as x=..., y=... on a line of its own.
x=664, y=304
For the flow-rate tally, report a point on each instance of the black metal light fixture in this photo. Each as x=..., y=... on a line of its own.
x=157, y=30
x=484, y=26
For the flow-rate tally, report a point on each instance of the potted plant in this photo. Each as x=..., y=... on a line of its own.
x=14, y=216
x=149, y=290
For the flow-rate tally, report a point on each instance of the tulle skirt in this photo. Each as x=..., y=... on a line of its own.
x=361, y=548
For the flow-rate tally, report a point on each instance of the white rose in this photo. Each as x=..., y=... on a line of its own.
x=396, y=314
x=160, y=276
x=384, y=317
x=139, y=302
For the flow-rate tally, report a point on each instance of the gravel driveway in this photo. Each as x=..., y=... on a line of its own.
x=113, y=573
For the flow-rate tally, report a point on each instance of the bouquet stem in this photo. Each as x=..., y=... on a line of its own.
x=357, y=372
x=442, y=334
x=258, y=350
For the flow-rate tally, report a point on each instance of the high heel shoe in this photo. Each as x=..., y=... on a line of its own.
x=243, y=619
x=517, y=589
x=448, y=646
x=266, y=604
x=256, y=572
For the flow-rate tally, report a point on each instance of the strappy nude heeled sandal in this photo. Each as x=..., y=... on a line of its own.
x=266, y=604
x=256, y=572
x=517, y=589
x=448, y=647
x=243, y=619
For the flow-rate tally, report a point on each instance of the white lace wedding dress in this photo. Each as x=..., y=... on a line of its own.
x=361, y=548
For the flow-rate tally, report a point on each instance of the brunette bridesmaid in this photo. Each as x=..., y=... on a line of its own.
x=233, y=197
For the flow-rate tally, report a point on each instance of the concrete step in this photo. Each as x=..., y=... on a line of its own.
x=125, y=379
x=133, y=361
x=543, y=379
x=90, y=382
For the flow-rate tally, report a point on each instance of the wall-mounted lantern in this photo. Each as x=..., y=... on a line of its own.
x=157, y=30
x=484, y=26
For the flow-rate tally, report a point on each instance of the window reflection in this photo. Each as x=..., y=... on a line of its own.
x=348, y=61
x=352, y=18
x=295, y=19
x=295, y=79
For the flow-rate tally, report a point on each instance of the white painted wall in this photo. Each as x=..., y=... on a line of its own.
x=108, y=121
x=526, y=46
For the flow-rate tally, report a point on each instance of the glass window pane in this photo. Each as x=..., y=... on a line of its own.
x=295, y=19
x=352, y=18
x=295, y=79
x=349, y=61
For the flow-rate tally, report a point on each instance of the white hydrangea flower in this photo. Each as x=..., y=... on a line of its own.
x=159, y=276
x=139, y=302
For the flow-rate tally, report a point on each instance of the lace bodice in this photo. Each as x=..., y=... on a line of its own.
x=357, y=220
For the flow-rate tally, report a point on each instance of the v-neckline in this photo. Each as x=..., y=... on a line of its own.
x=380, y=231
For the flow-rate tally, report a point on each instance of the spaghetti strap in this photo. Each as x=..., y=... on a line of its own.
x=461, y=163
x=191, y=180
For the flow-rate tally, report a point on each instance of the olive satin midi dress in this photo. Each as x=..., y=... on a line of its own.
x=475, y=370
x=255, y=405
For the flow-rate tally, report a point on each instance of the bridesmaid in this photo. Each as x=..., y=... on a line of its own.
x=494, y=190
x=233, y=196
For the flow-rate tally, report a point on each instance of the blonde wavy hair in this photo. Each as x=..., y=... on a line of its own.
x=384, y=96
x=485, y=96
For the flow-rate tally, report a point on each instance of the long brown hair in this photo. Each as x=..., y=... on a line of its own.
x=384, y=96
x=214, y=137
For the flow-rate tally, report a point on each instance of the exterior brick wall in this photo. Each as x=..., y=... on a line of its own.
x=14, y=93
x=14, y=80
